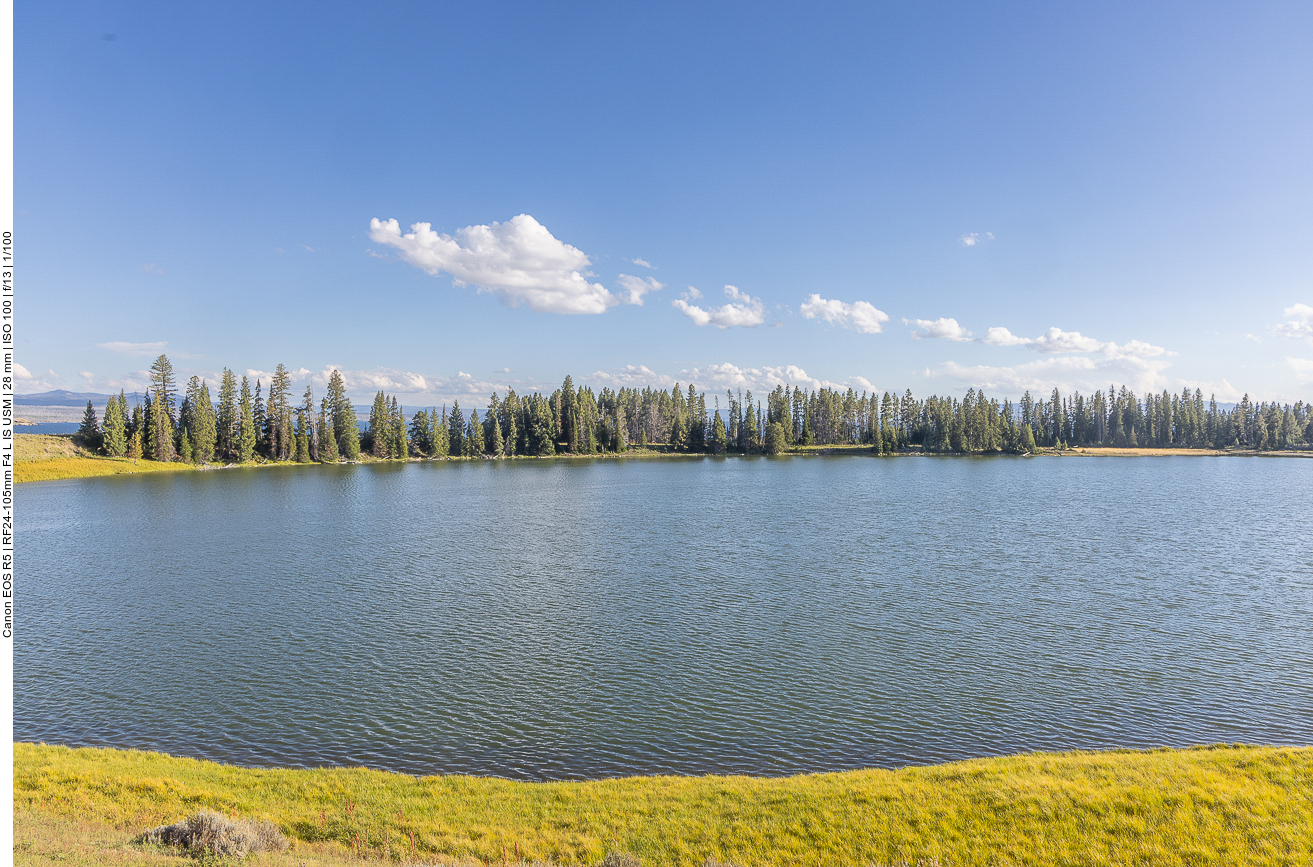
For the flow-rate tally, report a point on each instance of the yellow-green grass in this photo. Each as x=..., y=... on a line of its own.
x=42, y=457
x=1208, y=805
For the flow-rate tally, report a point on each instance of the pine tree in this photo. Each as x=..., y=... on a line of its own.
x=473, y=436
x=421, y=433
x=496, y=445
x=161, y=427
x=456, y=430
x=328, y=452
x=227, y=420
x=246, y=425
x=89, y=433
x=302, y=454
x=719, y=439
x=312, y=430
x=162, y=384
x=185, y=453
x=400, y=448
x=345, y=428
x=134, y=444
x=379, y=422
x=278, y=420
x=776, y=438
x=204, y=431
x=116, y=426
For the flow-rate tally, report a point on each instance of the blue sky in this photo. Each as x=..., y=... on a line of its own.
x=901, y=196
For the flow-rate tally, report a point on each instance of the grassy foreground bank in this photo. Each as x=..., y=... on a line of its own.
x=1208, y=805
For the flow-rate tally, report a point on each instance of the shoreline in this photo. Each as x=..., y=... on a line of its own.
x=76, y=463
x=1207, y=804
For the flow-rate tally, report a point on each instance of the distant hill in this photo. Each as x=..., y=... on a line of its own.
x=63, y=397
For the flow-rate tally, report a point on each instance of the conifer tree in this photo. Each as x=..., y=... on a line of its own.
x=441, y=436
x=719, y=440
x=496, y=444
x=134, y=444
x=678, y=434
x=312, y=429
x=185, y=453
x=345, y=428
x=379, y=423
x=473, y=436
x=161, y=427
x=421, y=433
x=302, y=453
x=400, y=448
x=116, y=426
x=456, y=430
x=204, y=431
x=227, y=420
x=327, y=437
x=278, y=420
x=89, y=433
x=162, y=384
x=246, y=425
x=261, y=422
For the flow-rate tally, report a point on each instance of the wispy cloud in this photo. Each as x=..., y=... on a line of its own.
x=939, y=329
x=642, y=263
x=636, y=287
x=152, y=268
x=860, y=316
x=1301, y=326
x=519, y=260
x=1303, y=368
x=971, y=239
x=742, y=310
x=123, y=347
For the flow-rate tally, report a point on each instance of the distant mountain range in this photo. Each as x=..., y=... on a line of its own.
x=63, y=397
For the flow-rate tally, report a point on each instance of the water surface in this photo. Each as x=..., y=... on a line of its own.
x=570, y=619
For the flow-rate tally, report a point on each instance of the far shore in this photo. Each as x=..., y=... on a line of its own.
x=52, y=457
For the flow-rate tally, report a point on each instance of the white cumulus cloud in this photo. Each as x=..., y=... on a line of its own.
x=636, y=287
x=642, y=263
x=519, y=260
x=939, y=329
x=859, y=316
x=742, y=310
x=1301, y=326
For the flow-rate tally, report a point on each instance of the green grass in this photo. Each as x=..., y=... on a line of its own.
x=1215, y=805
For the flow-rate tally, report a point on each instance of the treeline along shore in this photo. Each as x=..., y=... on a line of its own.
x=248, y=422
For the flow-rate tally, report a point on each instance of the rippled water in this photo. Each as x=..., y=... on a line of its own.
x=567, y=619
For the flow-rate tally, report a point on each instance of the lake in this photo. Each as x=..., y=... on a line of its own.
x=566, y=619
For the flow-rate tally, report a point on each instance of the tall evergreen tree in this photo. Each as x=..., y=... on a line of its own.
x=246, y=424
x=473, y=436
x=116, y=426
x=162, y=384
x=227, y=421
x=328, y=452
x=345, y=428
x=89, y=433
x=456, y=430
